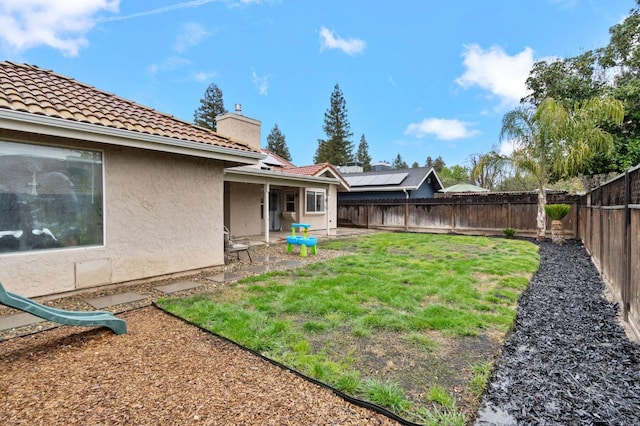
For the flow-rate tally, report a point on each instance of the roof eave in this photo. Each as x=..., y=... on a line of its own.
x=34, y=123
x=382, y=188
x=240, y=174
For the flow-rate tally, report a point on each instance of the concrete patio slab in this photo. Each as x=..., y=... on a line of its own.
x=224, y=277
x=7, y=322
x=116, y=299
x=260, y=269
x=178, y=286
x=288, y=263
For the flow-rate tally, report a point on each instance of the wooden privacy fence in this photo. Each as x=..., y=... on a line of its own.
x=610, y=229
x=477, y=214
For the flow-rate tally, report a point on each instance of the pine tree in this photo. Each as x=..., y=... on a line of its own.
x=210, y=107
x=276, y=143
x=362, y=155
x=398, y=163
x=337, y=148
x=438, y=164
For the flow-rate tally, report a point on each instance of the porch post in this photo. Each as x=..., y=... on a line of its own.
x=326, y=208
x=265, y=212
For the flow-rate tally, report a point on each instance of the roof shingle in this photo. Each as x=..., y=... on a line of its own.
x=31, y=89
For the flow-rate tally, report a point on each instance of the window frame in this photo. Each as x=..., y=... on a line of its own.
x=317, y=192
x=59, y=160
x=290, y=202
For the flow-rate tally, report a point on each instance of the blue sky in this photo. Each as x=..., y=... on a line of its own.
x=420, y=77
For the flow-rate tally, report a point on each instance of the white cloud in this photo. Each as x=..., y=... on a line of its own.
x=170, y=63
x=60, y=24
x=184, y=5
x=442, y=128
x=202, y=76
x=494, y=70
x=260, y=82
x=164, y=9
x=329, y=40
x=192, y=34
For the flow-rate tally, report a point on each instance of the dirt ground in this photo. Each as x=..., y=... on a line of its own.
x=163, y=371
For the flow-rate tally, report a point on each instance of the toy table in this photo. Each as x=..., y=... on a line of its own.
x=303, y=240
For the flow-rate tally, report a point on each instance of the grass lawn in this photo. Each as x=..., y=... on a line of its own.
x=411, y=322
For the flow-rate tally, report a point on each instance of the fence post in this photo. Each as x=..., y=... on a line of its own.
x=601, y=254
x=626, y=288
x=406, y=214
x=366, y=214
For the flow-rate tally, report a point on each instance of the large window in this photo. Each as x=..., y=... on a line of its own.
x=315, y=201
x=49, y=197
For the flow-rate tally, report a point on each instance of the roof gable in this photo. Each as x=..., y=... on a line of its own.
x=29, y=89
x=319, y=170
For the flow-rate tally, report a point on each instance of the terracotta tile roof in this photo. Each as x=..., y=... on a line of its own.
x=316, y=170
x=307, y=170
x=34, y=90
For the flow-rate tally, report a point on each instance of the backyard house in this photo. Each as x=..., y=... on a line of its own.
x=276, y=189
x=391, y=184
x=96, y=189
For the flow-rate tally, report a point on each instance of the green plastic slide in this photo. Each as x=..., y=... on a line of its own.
x=79, y=318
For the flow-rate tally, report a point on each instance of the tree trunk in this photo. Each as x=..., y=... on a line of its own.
x=557, y=232
x=541, y=219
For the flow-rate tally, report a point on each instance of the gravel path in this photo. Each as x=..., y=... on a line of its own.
x=568, y=360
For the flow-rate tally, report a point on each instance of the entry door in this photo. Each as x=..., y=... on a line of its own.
x=275, y=210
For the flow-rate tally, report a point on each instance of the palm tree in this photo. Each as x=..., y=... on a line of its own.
x=552, y=141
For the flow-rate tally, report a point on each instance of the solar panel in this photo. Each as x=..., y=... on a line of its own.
x=377, y=180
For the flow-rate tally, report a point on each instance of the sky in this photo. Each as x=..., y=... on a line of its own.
x=419, y=77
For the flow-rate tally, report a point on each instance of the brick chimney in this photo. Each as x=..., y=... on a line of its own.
x=239, y=128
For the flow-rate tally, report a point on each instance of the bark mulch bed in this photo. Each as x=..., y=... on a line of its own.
x=162, y=372
x=568, y=360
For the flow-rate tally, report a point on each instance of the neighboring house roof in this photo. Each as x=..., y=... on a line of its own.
x=392, y=180
x=43, y=93
x=464, y=187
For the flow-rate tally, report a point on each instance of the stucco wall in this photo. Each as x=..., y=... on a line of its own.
x=163, y=215
x=244, y=205
x=318, y=221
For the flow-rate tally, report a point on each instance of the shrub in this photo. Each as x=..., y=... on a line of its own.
x=557, y=211
x=509, y=232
